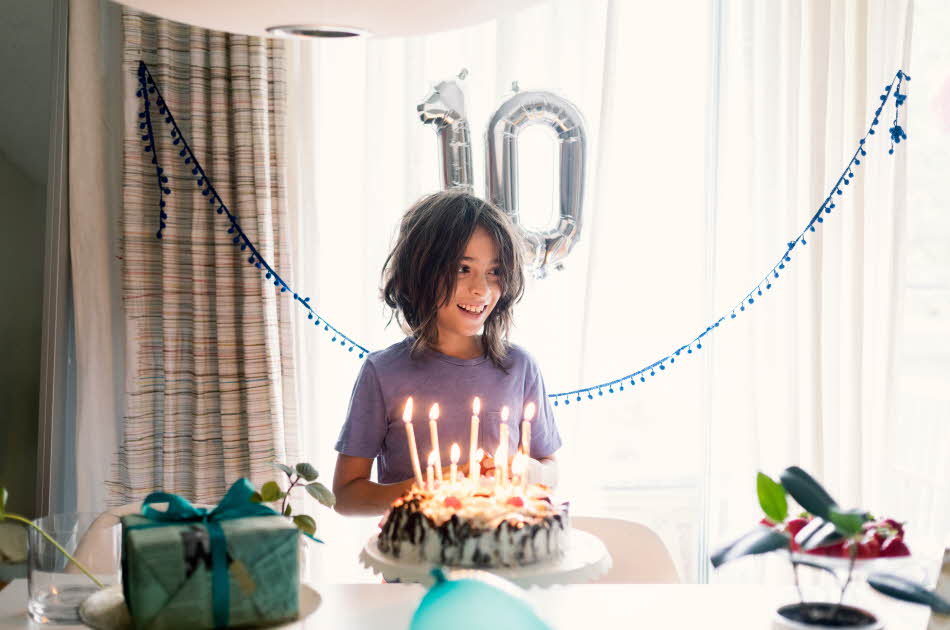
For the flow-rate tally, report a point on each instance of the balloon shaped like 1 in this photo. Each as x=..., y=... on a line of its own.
x=474, y=600
x=547, y=247
x=444, y=108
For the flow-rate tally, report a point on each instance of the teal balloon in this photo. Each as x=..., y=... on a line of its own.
x=475, y=600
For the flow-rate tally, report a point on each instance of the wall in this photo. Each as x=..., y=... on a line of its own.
x=24, y=148
x=22, y=218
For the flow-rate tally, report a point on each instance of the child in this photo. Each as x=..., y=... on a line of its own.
x=455, y=272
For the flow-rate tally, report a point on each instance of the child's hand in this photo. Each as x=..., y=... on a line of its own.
x=488, y=464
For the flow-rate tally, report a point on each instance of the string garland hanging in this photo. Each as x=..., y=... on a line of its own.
x=148, y=87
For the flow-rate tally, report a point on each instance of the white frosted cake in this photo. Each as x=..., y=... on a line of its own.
x=459, y=525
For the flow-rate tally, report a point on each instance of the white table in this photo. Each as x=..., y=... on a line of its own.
x=671, y=607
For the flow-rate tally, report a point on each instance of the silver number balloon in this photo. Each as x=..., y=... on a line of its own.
x=444, y=108
x=551, y=245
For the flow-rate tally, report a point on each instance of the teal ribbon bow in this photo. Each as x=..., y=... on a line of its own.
x=235, y=504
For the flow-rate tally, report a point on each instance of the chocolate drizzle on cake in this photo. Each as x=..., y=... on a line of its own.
x=485, y=532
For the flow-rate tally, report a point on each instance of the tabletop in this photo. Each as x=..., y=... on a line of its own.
x=369, y=606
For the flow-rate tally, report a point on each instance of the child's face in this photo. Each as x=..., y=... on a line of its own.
x=477, y=287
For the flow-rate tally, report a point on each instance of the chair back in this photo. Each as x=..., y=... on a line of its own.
x=638, y=554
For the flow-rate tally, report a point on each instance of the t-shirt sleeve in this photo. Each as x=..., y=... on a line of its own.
x=363, y=432
x=545, y=438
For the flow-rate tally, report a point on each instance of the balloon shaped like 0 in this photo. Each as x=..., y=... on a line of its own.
x=444, y=108
x=474, y=600
x=551, y=245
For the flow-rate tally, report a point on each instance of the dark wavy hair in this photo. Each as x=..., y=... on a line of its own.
x=420, y=273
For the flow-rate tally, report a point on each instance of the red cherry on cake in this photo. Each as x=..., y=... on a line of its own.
x=452, y=502
x=515, y=501
x=894, y=547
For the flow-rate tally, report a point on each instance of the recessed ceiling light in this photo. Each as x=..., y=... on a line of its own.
x=316, y=30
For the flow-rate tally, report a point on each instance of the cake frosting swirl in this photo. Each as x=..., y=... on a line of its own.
x=457, y=525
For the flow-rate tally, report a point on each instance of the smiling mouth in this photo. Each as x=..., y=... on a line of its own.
x=473, y=309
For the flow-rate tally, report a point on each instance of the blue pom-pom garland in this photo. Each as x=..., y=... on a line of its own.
x=208, y=190
x=147, y=86
x=897, y=134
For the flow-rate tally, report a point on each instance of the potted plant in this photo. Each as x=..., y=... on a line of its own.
x=301, y=475
x=825, y=529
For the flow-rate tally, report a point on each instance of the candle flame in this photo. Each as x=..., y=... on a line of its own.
x=431, y=458
x=504, y=414
x=499, y=456
x=479, y=455
x=407, y=412
x=476, y=406
x=434, y=412
x=455, y=453
x=529, y=411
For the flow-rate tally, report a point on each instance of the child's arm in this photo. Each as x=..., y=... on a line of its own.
x=356, y=495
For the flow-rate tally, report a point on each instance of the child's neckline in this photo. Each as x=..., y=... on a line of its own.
x=450, y=359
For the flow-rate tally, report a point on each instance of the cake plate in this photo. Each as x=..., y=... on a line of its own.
x=585, y=559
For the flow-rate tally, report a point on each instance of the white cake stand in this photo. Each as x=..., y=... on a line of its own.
x=585, y=559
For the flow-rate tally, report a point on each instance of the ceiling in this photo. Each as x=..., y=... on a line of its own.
x=24, y=77
x=381, y=18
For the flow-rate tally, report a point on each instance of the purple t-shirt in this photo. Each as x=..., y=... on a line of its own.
x=374, y=426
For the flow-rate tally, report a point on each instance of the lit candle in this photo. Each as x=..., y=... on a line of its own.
x=473, y=471
x=455, y=453
x=502, y=463
x=526, y=429
x=411, y=436
x=477, y=468
x=519, y=470
x=434, y=433
x=498, y=471
x=429, y=482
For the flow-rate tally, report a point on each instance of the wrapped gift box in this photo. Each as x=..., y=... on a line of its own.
x=169, y=570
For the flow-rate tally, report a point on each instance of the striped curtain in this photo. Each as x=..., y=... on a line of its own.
x=211, y=393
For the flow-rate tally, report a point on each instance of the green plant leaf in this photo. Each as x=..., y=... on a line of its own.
x=287, y=470
x=305, y=524
x=814, y=564
x=818, y=533
x=257, y=498
x=4, y=495
x=288, y=510
x=908, y=591
x=848, y=522
x=270, y=491
x=772, y=498
x=808, y=492
x=321, y=493
x=307, y=471
x=759, y=540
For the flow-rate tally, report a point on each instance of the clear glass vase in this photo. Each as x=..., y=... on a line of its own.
x=57, y=586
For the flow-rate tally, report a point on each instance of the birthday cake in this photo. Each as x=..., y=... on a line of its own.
x=475, y=525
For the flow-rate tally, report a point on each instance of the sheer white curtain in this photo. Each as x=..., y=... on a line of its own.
x=363, y=156
x=808, y=378
x=685, y=211
x=86, y=438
